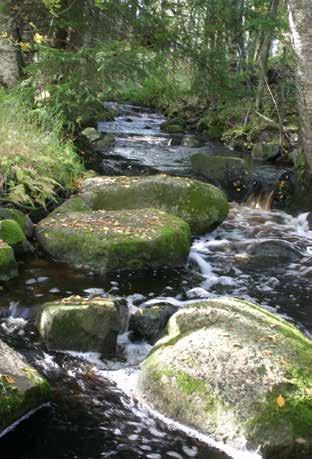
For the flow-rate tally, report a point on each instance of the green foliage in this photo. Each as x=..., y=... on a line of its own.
x=36, y=161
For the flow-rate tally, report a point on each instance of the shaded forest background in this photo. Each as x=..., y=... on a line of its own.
x=222, y=67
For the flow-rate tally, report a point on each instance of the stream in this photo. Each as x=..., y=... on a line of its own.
x=95, y=413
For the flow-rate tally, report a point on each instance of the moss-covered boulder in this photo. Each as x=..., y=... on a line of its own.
x=231, y=173
x=73, y=204
x=107, y=241
x=173, y=126
x=265, y=151
x=201, y=205
x=13, y=235
x=237, y=372
x=22, y=219
x=8, y=265
x=22, y=389
x=80, y=324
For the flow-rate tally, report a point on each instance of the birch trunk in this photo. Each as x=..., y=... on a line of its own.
x=300, y=21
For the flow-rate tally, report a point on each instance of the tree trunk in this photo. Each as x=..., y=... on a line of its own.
x=300, y=21
x=9, y=66
x=264, y=57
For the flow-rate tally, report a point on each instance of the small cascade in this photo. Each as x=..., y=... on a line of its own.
x=262, y=200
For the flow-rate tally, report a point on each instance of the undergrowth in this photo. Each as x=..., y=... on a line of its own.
x=36, y=161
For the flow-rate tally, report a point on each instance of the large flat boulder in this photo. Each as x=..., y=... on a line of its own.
x=201, y=205
x=232, y=174
x=106, y=241
x=22, y=389
x=236, y=372
x=80, y=324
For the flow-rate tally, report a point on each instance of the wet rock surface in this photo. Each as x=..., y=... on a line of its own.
x=22, y=389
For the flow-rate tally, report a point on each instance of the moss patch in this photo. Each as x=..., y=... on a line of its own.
x=8, y=266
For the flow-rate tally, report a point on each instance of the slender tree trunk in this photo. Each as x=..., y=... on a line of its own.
x=300, y=21
x=264, y=57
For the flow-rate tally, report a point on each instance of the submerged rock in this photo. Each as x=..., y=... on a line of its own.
x=265, y=151
x=8, y=265
x=13, y=235
x=149, y=323
x=106, y=241
x=22, y=389
x=80, y=324
x=232, y=174
x=265, y=254
x=236, y=372
x=201, y=205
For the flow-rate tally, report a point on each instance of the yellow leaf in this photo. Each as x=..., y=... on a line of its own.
x=280, y=401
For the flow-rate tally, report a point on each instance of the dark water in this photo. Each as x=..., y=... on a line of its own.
x=91, y=416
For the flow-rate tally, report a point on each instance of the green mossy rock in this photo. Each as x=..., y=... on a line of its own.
x=91, y=134
x=80, y=324
x=22, y=219
x=22, y=389
x=12, y=234
x=108, y=241
x=173, y=126
x=201, y=205
x=8, y=265
x=237, y=372
x=231, y=173
x=106, y=142
x=265, y=151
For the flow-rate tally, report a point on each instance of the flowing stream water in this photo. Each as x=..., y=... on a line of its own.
x=94, y=413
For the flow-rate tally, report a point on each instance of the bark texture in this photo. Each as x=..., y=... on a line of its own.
x=300, y=20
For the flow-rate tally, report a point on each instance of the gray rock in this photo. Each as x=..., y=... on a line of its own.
x=149, y=323
x=236, y=372
x=231, y=173
x=266, y=254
